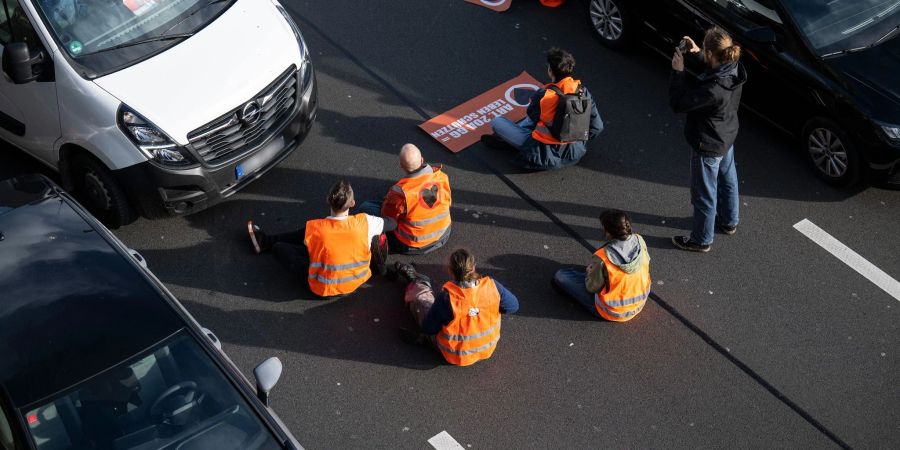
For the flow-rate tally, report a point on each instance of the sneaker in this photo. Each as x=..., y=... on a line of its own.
x=257, y=237
x=685, y=243
x=413, y=337
x=406, y=272
x=725, y=229
x=493, y=141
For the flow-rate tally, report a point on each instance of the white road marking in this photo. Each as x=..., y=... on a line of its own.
x=849, y=257
x=443, y=441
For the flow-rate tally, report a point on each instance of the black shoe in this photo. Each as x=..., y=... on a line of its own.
x=725, y=229
x=257, y=238
x=493, y=141
x=406, y=272
x=413, y=337
x=685, y=243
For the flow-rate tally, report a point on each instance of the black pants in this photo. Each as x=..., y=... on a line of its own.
x=290, y=251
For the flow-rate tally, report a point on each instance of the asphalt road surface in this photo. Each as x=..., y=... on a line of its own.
x=767, y=341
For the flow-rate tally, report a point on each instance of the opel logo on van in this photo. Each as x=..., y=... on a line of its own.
x=250, y=113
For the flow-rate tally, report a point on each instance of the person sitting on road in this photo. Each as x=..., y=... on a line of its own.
x=419, y=203
x=463, y=322
x=337, y=254
x=616, y=284
x=537, y=148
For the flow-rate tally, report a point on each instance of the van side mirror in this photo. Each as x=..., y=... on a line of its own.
x=267, y=375
x=18, y=62
x=762, y=35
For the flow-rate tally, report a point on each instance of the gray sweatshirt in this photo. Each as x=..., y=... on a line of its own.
x=626, y=255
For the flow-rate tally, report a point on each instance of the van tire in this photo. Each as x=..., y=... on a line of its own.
x=611, y=22
x=832, y=153
x=96, y=188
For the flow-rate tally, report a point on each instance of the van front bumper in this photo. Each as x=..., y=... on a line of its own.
x=158, y=191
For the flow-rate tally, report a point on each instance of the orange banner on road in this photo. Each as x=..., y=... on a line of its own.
x=496, y=5
x=464, y=125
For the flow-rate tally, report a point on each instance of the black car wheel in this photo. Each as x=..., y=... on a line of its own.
x=610, y=22
x=98, y=191
x=832, y=153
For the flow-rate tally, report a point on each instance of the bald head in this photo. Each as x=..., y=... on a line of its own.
x=410, y=158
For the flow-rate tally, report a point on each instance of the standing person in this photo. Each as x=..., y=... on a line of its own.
x=419, y=203
x=616, y=283
x=336, y=254
x=531, y=137
x=463, y=322
x=711, y=128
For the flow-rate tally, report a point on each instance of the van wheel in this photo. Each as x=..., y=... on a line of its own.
x=833, y=155
x=611, y=22
x=98, y=191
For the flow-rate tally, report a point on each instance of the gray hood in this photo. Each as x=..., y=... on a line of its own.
x=626, y=255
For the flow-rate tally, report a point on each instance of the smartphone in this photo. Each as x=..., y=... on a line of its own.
x=684, y=46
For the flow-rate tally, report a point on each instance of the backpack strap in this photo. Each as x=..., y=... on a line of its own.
x=556, y=89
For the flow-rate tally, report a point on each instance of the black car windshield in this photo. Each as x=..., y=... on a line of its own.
x=171, y=396
x=838, y=25
x=105, y=35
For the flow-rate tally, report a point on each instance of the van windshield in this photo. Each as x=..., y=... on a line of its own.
x=171, y=396
x=106, y=35
x=837, y=25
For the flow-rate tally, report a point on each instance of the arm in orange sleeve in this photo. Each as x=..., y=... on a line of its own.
x=394, y=204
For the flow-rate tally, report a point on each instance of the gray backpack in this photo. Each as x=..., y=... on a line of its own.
x=572, y=120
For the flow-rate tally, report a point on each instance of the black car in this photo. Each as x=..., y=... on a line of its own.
x=825, y=71
x=95, y=353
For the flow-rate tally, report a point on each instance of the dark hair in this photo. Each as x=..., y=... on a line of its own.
x=718, y=42
x=462, y=266
x=616, y=223
x=340, y=195
x=561, y=63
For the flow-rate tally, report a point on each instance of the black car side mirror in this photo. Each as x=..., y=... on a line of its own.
x=762, y=35
x=18, y=62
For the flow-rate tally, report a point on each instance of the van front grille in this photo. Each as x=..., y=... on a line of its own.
x=248, y=125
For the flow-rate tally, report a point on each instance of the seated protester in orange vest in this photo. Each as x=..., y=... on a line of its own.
x=616, y=283
x=336, y=254
x=463, y=322
x=534, y=137
x=419, y=203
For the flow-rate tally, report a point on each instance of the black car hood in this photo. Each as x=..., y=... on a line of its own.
x=874, y=74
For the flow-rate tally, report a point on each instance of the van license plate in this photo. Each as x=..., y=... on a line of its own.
x=239, y=171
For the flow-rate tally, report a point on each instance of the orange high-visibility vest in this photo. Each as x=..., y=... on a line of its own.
x=338, y=254
x=552, y=3
x=475, y=329
x=625, y=294
x=427, y=215
x=549, y=101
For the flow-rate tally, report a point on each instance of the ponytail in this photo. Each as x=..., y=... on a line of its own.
x=462, y=266
x=719, y=43
x=616, y=223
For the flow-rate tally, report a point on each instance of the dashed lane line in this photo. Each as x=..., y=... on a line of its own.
x=849, y=257
x=443, y=441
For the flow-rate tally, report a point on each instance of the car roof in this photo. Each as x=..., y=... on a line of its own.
x=71, y=304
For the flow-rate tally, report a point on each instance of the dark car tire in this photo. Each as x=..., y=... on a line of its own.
x=96, y=189
x=611, y=22
x=833, y=155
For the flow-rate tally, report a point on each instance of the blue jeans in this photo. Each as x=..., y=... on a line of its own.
x=714, y=194
x=514, y=134
x=571, y=280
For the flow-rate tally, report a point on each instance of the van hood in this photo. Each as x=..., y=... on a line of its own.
x=872, y=74
x=210, y=73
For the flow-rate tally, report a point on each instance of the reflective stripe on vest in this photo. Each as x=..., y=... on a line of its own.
x=339, y=255
x=625, y=294
x=427, y=216
x=549, y=101
x=473, y=333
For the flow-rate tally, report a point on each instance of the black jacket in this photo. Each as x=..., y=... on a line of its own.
x=711, y=104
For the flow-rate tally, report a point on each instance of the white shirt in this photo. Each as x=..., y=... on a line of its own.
x=376, y=225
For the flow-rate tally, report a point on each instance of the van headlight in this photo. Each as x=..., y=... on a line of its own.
x=153, y=142
x=304, y=51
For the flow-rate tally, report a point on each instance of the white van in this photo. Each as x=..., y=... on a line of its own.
x=154, y=107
